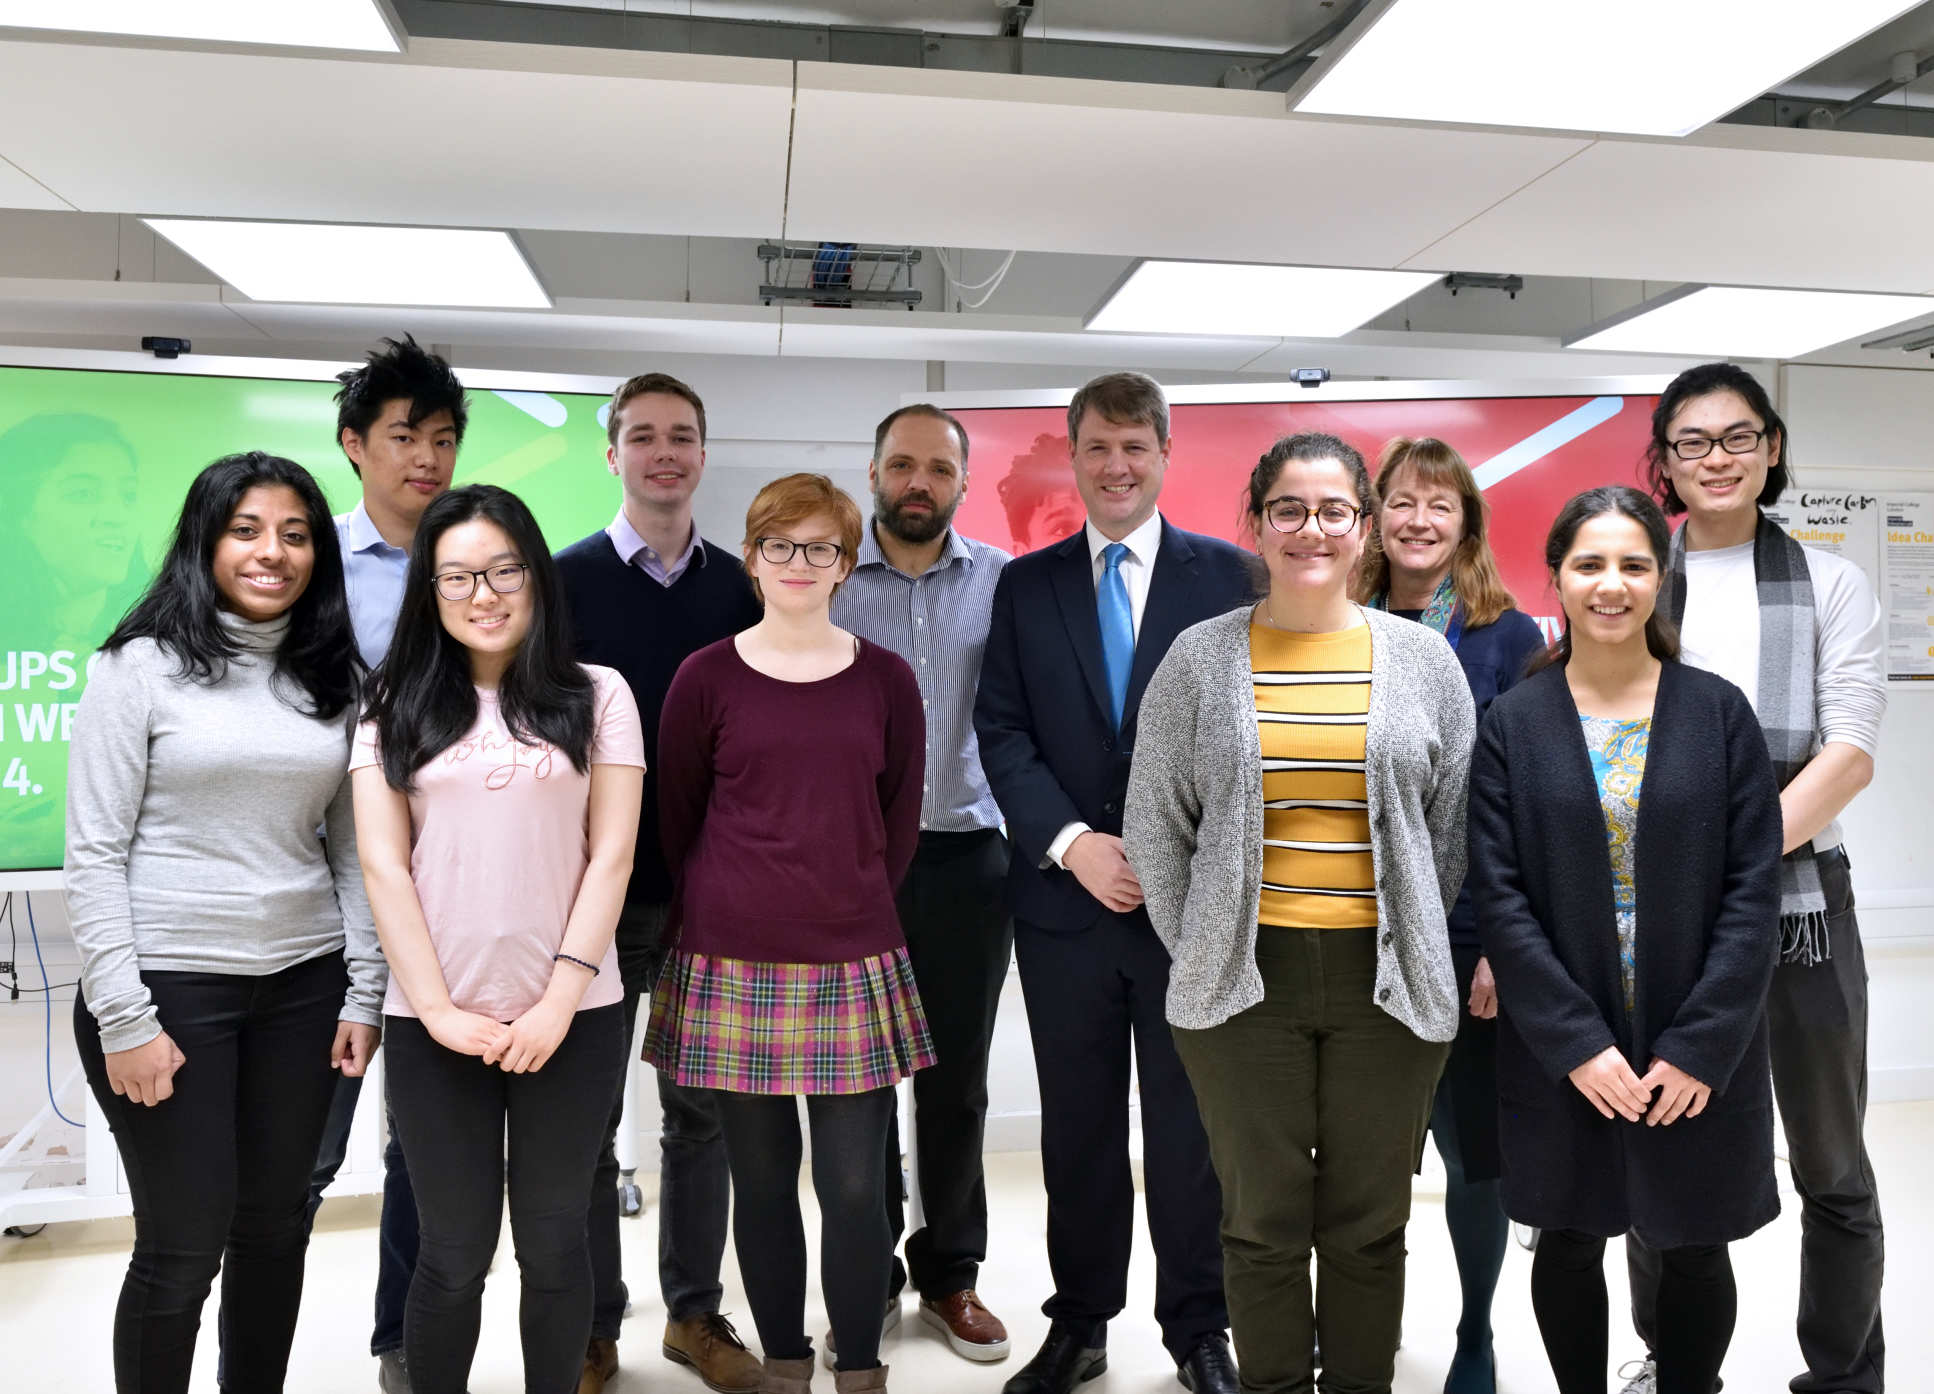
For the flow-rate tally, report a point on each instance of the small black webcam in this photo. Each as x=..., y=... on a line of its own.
x=166, y=348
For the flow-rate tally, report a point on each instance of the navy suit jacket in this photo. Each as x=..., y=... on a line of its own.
x=1051, y=753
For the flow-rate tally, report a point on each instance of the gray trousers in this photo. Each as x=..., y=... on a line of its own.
x=1817, y=1018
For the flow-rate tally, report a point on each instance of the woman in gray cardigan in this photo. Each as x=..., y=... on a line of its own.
x=1296, y=818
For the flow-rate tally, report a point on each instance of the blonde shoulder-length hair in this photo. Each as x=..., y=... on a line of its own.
x=1474, y=568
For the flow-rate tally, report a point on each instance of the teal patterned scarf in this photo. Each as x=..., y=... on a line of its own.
x=1441, y=614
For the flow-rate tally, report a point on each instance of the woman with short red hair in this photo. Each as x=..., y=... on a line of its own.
x=791, y=760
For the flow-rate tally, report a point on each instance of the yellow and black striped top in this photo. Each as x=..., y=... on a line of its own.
x=1312, y=712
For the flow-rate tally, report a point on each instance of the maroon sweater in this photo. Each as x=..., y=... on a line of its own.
x=789, y=810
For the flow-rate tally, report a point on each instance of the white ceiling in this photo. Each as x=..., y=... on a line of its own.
x=569, y=140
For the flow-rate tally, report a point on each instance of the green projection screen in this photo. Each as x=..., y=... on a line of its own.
x=93, y=467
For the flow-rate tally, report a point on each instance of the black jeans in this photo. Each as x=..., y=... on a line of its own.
x=1817, y=1019
x=219, y=1173
x=1698, y=1304
x=694, y=1182
x=396, y=1228
x=455, y=1113
x=959, y=941
x=855, y=1249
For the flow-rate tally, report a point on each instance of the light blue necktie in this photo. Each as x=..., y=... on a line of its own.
x=1117, y=628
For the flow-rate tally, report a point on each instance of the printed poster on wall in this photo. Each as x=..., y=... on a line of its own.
x=1844, y=522
x=1910, y=587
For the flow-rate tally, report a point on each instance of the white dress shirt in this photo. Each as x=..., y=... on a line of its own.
x=1137, y=571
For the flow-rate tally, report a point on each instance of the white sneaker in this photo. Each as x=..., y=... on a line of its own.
x=889, y=1322
x=1642, y=1376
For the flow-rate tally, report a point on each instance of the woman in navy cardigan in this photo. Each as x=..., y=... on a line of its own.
x=1430, y=560
x=1625, y=841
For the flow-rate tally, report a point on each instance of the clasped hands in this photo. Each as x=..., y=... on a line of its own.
x=519, y=1046
x=1609, y=1085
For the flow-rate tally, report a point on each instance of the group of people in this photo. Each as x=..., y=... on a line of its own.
x=1320, y=837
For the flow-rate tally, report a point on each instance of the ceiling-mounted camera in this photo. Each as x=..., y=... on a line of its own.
x=166, y=348
x=1311, y=377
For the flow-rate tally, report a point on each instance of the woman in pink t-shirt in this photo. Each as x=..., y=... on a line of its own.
x=497, y=787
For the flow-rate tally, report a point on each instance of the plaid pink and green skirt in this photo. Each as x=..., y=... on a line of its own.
x=788, y=1028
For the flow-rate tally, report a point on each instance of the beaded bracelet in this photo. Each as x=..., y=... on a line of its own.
x=567, y=958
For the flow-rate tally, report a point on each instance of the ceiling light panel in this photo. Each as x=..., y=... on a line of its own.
x=342, y=264
x=1745, y=322
x=345, y=24
x=1644, y=67
x=1239, y=298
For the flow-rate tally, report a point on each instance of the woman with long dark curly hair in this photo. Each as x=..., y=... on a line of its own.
x=228, y=961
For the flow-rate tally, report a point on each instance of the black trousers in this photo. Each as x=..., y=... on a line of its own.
x=455, y=1114
x=219, y=1173
x=1817, y=1019
x=1698, y=1305
x=960, y=941
x=1092, y=996
x=849, y=1150
x=694, y=1182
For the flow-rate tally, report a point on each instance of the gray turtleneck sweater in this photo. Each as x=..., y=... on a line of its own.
x=192, y=817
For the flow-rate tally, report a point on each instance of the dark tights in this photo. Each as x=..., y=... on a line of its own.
x=1697, y=1306
x=855, y=1247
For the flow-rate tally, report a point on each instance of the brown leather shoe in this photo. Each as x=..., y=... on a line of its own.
x=709, y=1345
x=974, y=1332
x=600, y=1366
x=786, y=1376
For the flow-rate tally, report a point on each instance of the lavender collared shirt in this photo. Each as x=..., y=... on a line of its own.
x=633, y=550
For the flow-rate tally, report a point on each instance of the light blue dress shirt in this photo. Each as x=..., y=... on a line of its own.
x=633, y=550
x=373, y=571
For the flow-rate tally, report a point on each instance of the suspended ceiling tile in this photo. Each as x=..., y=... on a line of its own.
x=19, y=190
x=824, y=333
x=457, y=133
x=1048, y=164
x=1734, y=205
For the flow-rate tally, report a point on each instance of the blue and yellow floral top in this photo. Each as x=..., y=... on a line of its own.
x=1618, y=760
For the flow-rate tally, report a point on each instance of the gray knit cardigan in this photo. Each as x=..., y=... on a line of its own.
x=1193, y=825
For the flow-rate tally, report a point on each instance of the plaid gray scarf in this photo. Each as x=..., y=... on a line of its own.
x=1788, y=631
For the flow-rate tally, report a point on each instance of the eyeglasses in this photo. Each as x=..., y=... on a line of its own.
x=507, y=579
x=1333, y=517
x=1735, y=442
x=779, y=550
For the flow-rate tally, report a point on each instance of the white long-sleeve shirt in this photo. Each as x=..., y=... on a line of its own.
x=1721, y=634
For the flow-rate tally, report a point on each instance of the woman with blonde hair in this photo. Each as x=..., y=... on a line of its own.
x=791, y=760
x=1429, y=559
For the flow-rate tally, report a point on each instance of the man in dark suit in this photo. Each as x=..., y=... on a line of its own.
x=1078, y=629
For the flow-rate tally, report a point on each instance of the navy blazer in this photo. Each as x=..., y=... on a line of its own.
x=1051, y=753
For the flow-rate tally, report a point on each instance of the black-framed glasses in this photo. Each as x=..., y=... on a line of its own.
x=506, y=579
x=1334, y=517
x=779, y=550
x=1736, y=443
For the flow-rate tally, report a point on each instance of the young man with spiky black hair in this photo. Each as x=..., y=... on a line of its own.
x=400, y=418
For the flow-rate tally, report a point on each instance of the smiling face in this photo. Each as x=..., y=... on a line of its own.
x=263, y=560
x=660, y=453
x=1608, y=582
x=1724, y=485
x=402, y=466
x=919, y=479
x=1421, y=525
x=797, y=587
x=488, y=624
x=1118, y=468
x=81, y=518
x=1309, y=563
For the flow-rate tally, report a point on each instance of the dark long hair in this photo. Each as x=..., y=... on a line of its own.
x=1661, y=634
x=1703, y=381
x=180, y=609
x=422, y=698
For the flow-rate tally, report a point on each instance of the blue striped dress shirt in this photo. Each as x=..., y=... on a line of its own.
x=938, y=623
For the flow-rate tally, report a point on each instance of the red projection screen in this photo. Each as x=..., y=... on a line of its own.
x=1532, y=446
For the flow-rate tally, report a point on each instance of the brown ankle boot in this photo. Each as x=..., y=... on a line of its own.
x=860, y=1381
x=786, y=1376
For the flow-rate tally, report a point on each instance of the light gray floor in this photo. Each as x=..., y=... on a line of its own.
x=57, y=1294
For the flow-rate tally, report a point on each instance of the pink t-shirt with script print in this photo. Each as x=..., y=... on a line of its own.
x=499, y=840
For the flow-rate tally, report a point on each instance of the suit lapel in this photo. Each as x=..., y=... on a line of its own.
x=1074, y=590
x=1170, y=610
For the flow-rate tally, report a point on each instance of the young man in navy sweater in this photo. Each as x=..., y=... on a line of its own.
x=643, y=595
